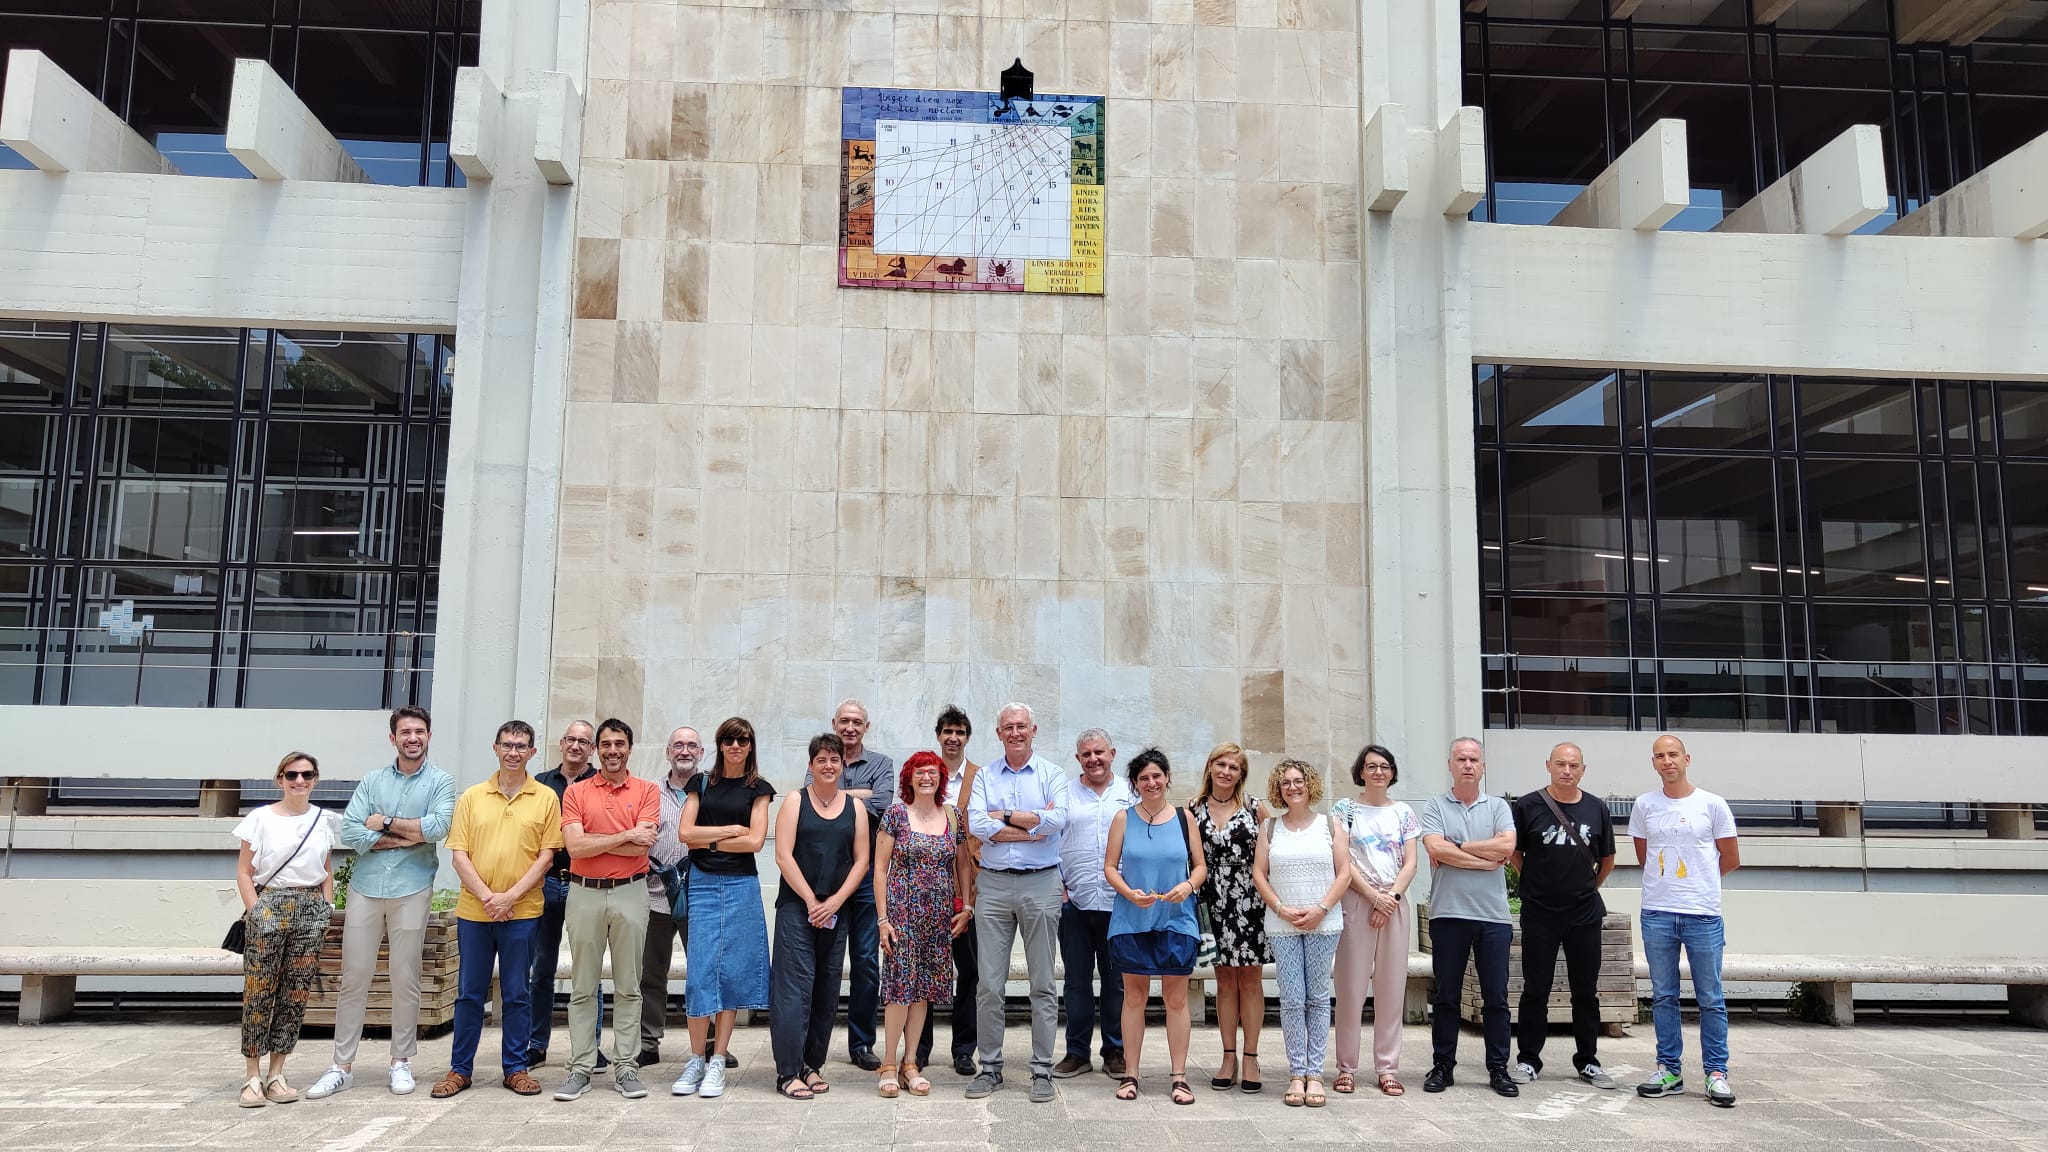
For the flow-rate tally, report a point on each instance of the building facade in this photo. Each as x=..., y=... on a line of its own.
x=1531, y=368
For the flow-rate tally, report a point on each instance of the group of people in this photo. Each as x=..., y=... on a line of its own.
x=922, y=879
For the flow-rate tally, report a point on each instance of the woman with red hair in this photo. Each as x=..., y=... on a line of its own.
x=917, y=888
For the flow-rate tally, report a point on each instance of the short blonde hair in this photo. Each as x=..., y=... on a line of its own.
x=1208, y=789
x=1310, y=776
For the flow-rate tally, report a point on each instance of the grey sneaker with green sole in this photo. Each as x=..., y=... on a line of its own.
x=1718, y=1091
x=1664, y=1083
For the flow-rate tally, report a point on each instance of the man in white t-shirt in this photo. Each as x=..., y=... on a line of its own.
x=1685, y=839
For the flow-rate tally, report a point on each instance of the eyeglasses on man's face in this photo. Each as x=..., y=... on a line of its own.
x=515, y=749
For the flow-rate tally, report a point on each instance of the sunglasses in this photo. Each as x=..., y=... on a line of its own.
x=291, y=775
x=740, y=741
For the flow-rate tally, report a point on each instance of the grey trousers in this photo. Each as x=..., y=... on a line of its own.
x=1006, y=904
x=363, y=930
x=655, y=957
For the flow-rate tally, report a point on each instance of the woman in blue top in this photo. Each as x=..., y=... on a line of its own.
x=1154, y=861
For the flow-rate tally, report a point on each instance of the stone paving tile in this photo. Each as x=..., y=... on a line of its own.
x=167, y=1082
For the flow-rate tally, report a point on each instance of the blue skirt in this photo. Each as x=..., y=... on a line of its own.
x=727, y=949
x=1157, y=953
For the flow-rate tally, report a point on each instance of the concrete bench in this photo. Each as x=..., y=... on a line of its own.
x=49, y=975
x=1832, y=978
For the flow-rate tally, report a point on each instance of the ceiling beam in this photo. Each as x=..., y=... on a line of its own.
x=58, y=126
x=1833, y=192
x=2007, y=200
x=276, y=137
x=1642, y=190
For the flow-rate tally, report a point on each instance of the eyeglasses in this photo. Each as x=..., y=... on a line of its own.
x=291, y=775
x=516, y=748
x=686, y=744
x=579, y=741
x=739, y=741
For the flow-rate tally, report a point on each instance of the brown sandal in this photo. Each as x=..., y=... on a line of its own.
x=1345, y=1083
x=1390, y=1085
x=1314, y=1097
x=1181, y=1093
x=450, y=1084
x=1294, y=1098
x=523, y=1083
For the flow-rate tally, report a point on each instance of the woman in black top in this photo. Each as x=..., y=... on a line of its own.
x=821, y=846
x=724, y=822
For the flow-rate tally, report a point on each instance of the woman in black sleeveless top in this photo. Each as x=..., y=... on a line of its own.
x=821, y=845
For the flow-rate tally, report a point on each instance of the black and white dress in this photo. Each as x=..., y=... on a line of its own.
x=1236, y=914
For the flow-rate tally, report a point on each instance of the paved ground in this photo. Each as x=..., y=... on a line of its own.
x=169, y=1082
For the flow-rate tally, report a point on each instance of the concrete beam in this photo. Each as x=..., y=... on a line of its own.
x=2009, y=821
x=1642, y=190
x=127, y=247
x=46, y=999
x=558, y=128
x=1833, y=192
x=473, y=132
x=2008, y=199
x=1623, y=9
x=1949, y=21
x=1768, y=11
x=26, y=795
x=276, y=137
x=1385, y=158
x=58, y=126
x=1461, y=161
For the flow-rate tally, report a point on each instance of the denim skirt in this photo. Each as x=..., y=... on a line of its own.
x=727, y=951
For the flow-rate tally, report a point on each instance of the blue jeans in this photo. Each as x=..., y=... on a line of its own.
x=864, y=962
x=1084, y=949
x=507, y=944
x=1701, y=937
x=547, y=953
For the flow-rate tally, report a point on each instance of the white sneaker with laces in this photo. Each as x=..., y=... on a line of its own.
x=401, y=1078
x=1522, y=1072
x=335, y=1079
x=714, y=1080
x=1597, y=1076
x=692, y=1077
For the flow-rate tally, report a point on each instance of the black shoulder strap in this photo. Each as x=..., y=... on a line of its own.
x=1180, y=821
x=319, y=814
x=1571, y=827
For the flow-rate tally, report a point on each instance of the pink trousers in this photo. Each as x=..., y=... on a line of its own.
x=1375, y=958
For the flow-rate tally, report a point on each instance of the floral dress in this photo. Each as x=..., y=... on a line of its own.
x=921, y=909
x=1236, y=914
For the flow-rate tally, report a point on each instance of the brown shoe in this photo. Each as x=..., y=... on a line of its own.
x=523, y=1084
x=450, y=1084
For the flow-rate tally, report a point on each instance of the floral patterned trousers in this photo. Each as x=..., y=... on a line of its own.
x=279, y=966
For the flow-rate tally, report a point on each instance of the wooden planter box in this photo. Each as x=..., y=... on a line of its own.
x=1617, y=976
x=438, y=964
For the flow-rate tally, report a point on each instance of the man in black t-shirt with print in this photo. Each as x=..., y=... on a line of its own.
x=1564, y=849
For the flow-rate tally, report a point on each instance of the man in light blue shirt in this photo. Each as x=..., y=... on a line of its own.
x=1096, y=798
x=1018, y=810
x=397, y=815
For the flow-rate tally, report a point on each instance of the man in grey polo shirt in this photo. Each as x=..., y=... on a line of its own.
x=1468, y=836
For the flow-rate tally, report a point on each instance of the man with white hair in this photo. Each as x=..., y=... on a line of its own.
x=1084, y=917
x=1469, y=836
x=869, y=777
x=1018, y=810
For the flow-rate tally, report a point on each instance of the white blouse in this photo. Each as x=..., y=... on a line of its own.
x=272, y=836
x=1300, y=868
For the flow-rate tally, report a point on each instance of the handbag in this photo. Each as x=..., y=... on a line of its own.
x=1206, y=950
x=237, y=938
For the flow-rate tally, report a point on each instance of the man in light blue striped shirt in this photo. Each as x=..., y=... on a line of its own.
x=394, y=820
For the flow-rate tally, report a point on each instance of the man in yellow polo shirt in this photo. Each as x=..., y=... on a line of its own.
x=503, y=839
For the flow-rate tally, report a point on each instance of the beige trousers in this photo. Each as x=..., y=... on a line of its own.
x=597, y=919
x=366, y=925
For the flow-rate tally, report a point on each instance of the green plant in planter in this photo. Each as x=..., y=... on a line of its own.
x=1804, y=1002
x=342, y=873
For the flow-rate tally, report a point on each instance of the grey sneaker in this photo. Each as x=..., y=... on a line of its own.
x=693, y=1075
x=984, y=1084
x=1597, y=1076
x=331, y=1081
x=626, y=1079
x=1041, y=1088
x=714, y=1081
x=574, y=1087
x=1522, y=1072
x=1718, y=1091
x=1664, y=1083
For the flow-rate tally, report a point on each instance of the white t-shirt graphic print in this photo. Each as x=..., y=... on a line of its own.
x=1681, y=862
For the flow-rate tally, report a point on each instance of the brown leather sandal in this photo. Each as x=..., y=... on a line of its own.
x=1391, y=1085
x=450, y=1084
x=523, y=1083
x=1345, y=1083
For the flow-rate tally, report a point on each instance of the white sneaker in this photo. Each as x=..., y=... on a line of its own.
x=692, y=1077
x=1522, y=1072
x=714, y=1080
x=335, y=1079
x=401, y=1078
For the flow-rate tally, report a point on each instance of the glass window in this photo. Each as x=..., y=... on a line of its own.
x=183, y=75
x=2023, y=419
x=1717, y=528
x=338, y=372
x=1709, y=411
x=2026, y=502
x=34, y=358
x=1856, y=415
x=1863, y=527
x=29, y=446
x=1561, y=406
x=1564, y=522
x=171, y=368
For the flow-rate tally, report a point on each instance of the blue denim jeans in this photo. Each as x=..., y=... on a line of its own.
x=1701, y=937
x=508, y=946
x=547, y=953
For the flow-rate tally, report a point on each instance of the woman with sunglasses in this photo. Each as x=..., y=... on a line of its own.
x=724, y=822
x=287, y=892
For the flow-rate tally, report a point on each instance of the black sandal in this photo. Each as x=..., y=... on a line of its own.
x=1225, y=1083
x=1180, y=1092
x=1250, y=1085
x=793, y=1088
x=1130, y=1082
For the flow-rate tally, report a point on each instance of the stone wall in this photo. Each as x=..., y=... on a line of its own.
x=1140, y=511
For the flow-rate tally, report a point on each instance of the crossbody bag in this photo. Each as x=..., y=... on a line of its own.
x=237, y=939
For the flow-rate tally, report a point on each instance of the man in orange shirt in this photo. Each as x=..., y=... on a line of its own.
x=609, y=821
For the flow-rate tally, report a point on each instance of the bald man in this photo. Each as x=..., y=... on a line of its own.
x=1685, y=838
x=1564, y=849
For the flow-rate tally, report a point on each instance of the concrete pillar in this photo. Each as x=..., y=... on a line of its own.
x=220, y=798
x=1415, y=1004
x=1839, y=998
x=2028, y=1002
x=47, y=998
x=2009, y=821
x=1843, y=821
x=26, y=795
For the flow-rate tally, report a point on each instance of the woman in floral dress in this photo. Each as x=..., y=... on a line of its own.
x=1228, y=819
x=917, y=889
